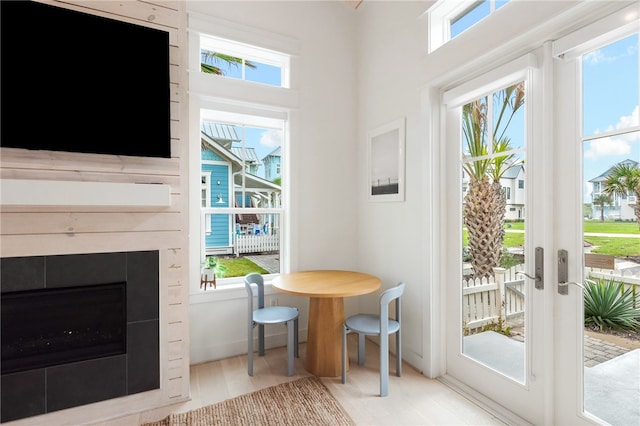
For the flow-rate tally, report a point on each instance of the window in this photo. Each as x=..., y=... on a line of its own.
x=205, y=196
x=245, y=215
x=450, y=18
x=231, y=59
x=507, y=192
x=520, y=183
x=242, y=136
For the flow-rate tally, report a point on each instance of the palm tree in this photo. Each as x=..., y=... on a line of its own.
x=601, y=200
x=485, y=202
x=624, y=179
x=208, y=59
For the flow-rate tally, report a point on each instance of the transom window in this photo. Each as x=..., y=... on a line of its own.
x=450, y=18
x=240, y=61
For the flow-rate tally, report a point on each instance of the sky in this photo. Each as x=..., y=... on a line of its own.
x=610, y=100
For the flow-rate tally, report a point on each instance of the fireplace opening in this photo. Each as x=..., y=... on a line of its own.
x=47, y=327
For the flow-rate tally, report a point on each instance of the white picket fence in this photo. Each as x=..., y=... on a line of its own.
x=486, y=301
x=256, y=243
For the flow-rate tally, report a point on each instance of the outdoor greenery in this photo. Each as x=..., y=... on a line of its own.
x=623, y=179
x=240, y=266
x=614, y=246
x=209, y=59
x=485, y=202
x=609, y=306
x=602, y=200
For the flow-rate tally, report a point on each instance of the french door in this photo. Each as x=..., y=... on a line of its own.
x=516, y=150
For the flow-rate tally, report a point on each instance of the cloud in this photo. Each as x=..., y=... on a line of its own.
x=271, y=138
x=627, y=121
x=596, y=57
x=607, y=147
x=619, y=144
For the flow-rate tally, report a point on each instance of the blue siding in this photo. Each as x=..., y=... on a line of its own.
x=220, y=235
x=211, y=156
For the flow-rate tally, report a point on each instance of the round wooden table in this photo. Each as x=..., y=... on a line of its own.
x=326, y=290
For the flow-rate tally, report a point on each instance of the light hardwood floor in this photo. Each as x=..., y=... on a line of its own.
x=413, y=399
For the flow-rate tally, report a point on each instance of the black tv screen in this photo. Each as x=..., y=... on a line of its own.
x=76, y=82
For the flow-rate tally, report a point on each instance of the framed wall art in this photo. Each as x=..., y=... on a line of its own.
x=386, y=161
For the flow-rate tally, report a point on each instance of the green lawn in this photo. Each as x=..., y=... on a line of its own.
x=605, y=245
x=239, y=267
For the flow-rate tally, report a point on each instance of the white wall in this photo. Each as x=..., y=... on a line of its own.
x=323, y=155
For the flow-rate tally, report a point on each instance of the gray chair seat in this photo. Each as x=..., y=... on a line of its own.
x=369, y=324
x=377, y=325
x=274, y=314
x=271, y=315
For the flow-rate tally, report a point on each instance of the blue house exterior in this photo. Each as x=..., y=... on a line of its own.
x=218, y=229
x=220, y=165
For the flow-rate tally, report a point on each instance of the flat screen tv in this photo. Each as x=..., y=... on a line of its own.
x=77, y=82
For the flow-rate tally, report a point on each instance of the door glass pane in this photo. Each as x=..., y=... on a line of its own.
x=611, y=172
x=493, y=212
x=610, y=90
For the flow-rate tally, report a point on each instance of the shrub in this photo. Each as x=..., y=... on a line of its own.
x=608, y=305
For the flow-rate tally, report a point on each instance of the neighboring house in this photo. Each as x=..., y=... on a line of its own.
x=222, y=180
x=621, y=207
x=272, y=165
x=513, y=186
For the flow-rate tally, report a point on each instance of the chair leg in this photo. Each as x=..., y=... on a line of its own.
x=398, y=354
x=295, y=337
x=344, y=354
x=290, y=346
x=250, y=350
x=361, y=337
x=384, y=365
x=261, y=339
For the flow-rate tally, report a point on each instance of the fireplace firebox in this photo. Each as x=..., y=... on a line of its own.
x=77, y=329
x=42, y=328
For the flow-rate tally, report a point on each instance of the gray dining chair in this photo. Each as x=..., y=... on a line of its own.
x=377, y=325
x=269, y=315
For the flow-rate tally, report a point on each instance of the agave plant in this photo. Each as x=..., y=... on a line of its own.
x=485, y=203
x=608, y=305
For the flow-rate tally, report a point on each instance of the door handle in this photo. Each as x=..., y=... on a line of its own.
x=539, y=269
x=563, y=272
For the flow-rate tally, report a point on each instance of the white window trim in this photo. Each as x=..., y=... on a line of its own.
x=207, y=191
x=237, y=98
x=442, y=14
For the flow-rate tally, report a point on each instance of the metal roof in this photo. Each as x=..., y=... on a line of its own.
x=250, y=155
x=606, y=174
x=512, y=173
x=220, y=132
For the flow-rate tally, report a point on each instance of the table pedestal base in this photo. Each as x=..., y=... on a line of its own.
x=324, y=339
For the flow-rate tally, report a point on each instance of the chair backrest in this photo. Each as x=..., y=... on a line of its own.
x=386, y=298
x=249, y=281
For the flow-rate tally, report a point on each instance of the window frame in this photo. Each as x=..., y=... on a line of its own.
x=444, y=13
x=235, y=97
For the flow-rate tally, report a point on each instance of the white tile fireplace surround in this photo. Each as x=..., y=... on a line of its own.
x=105, y=346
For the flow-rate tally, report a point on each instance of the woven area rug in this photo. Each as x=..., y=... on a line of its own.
x=303, y=402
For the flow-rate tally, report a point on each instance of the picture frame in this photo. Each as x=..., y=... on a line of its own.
x=386, y=162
